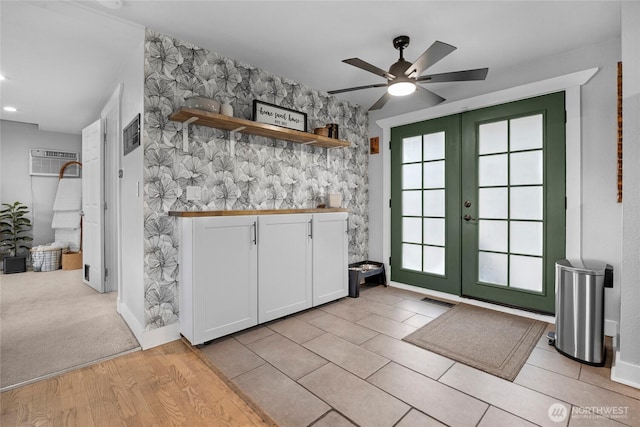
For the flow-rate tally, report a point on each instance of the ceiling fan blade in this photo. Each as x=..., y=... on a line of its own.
x=357, y=62
x=435, y=53
x=430, y=97
x=455, y=76
x=333, y=92
x=380, y=102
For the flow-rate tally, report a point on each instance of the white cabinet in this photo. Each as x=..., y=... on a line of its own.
x=330, y=257
x=284, y=272
x=219, y=289
x=238, y=271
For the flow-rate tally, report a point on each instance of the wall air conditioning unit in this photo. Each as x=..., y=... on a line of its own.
x=45, y=162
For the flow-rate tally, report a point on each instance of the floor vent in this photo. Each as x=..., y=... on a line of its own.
x=437, y=302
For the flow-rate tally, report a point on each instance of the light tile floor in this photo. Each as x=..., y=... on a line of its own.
x=344, y=364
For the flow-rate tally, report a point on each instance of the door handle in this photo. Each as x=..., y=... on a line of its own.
x=311, y=229
x=468, y=217
x=255, y=232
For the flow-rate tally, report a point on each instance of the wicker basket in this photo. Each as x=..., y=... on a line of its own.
x=46, y=259
x=72, y=260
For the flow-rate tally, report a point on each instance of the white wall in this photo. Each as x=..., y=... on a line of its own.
x=131, y=295
x=601, y=215
x=627, y=363
x=37, y=192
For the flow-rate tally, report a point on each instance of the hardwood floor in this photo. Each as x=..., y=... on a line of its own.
x=166, y=385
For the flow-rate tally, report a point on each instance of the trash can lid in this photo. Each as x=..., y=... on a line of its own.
x=584, y=266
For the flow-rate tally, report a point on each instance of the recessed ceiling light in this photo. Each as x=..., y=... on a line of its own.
x=10, y=109
x=2, y=77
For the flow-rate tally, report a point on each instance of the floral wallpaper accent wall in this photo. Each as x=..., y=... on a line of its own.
x=235, y=171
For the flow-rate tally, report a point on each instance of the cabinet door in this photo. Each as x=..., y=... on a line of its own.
x=284, y=246
x=330, y=257
x=225, y=282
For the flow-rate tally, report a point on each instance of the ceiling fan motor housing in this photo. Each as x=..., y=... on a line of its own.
x=399, y=68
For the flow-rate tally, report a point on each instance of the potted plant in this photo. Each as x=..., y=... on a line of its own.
x=14, y=225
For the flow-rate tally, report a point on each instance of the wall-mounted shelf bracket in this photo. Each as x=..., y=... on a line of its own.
x=185, y=133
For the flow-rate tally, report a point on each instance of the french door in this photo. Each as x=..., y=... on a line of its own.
x=486, y=219
x=425, y=212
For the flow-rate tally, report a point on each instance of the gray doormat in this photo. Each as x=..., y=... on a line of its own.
x=492, y=341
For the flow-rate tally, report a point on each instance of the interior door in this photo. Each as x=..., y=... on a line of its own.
x=92, y=206
x=513, y=201
x=111, y=122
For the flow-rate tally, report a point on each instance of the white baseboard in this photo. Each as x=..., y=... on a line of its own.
x=159, y=336
x=610, y=328
x=624, y=372
x=152, y=337
x=131, y=320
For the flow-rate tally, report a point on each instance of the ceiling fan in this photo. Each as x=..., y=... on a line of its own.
x=403, y=77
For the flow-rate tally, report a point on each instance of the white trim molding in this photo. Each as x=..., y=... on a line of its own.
x=625, y=373
x=152, y=337
x=159, y=336
x=131, y=320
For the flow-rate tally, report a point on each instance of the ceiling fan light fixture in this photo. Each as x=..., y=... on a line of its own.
x=401, y=88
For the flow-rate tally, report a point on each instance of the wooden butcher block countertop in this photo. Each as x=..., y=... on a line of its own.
x=195, y=214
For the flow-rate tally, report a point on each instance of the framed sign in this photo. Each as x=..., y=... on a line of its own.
x=131, y=135
x=274, y=115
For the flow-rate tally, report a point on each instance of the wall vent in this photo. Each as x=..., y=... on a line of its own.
x=44, y=162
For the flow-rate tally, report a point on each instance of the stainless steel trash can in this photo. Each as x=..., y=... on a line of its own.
x=580, y=309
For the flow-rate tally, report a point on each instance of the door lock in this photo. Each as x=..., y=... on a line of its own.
x=467, y=204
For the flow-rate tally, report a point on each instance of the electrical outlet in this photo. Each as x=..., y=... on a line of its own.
x=193, y=192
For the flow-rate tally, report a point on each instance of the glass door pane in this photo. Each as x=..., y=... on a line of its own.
x=423, y=167
x=517, y=175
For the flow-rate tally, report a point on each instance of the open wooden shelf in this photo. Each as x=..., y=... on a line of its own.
x=219, y=121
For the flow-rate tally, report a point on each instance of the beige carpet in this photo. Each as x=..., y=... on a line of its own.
x=52, y=321
x=494, y=342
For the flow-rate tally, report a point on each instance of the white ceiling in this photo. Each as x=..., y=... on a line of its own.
x=61, y=57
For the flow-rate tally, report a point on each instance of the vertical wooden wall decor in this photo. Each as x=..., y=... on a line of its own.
x=619, y=168
x=374, y=145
